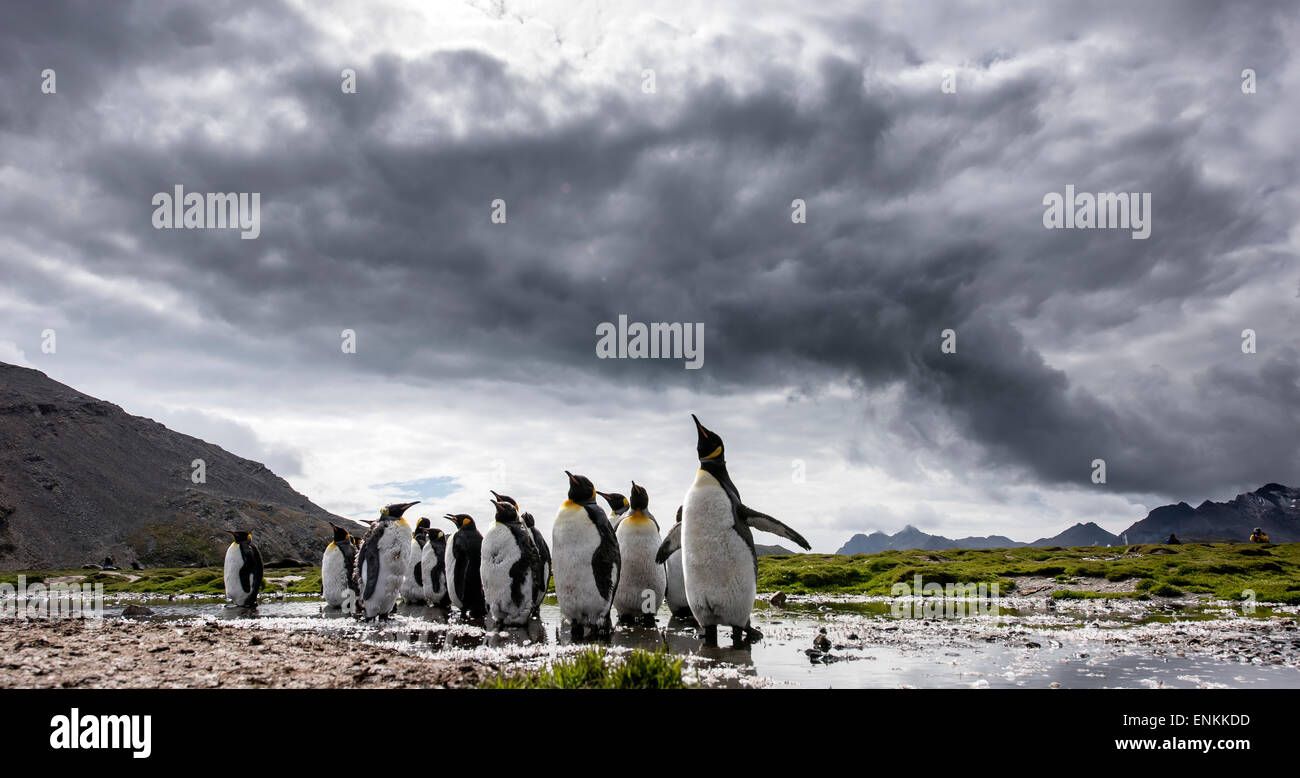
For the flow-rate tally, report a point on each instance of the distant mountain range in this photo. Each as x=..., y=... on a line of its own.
x=1274, y=507
x=81, y=480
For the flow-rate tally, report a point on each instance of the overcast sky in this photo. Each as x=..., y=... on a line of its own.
x=475, y=361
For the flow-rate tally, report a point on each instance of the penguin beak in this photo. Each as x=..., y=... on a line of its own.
x=571, y=478
x=699, y=428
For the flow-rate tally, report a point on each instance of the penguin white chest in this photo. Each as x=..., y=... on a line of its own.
x=393, y=555
x=642, y=581
x=573, y=544
x=435, y=583
x=234, y=563
x=334, y=576
x=717, y=563
x=501, y=551
x=448, y=571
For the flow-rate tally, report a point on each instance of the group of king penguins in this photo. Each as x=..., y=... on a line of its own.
x=705, y=566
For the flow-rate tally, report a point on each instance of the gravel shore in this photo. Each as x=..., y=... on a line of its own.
x=121, y=654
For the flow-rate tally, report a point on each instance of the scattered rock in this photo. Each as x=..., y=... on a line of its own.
x=136, y=610
x=821, y=642
x=778, y=599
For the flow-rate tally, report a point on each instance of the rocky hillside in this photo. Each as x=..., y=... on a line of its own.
x=81, y=479
x=910, y=537
x=1274, y=507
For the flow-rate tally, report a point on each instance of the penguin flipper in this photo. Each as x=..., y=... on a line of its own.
x=368, y=561
x=764, y=523
x=672, y=542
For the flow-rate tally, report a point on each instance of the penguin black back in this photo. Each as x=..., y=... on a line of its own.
x=250, y=574
x=467, y=545
x=346, y=544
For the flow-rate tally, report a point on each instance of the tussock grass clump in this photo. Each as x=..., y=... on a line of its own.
x=592, y=669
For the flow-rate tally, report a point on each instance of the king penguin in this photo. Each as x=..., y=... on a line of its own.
x=336, y=570
x=618, y=507
x=435, y=569
x=383, y=560
x=641, y=584
x=544, y=551
x=719, y=565
x=243, y=570
x=675, y=590
x=464, y=555
x=510, y=568
x=586, y=559
x=413, y=582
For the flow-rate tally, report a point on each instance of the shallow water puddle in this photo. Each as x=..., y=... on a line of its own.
x=1026, y=643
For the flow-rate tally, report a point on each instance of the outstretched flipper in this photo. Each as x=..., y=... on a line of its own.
x=672, y=542
x=764, y=523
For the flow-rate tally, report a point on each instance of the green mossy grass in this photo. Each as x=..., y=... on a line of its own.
x=592, y=669
x=1224, y=570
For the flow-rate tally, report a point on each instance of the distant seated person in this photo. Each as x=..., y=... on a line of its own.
x=1173, y=540
x=1258, y=536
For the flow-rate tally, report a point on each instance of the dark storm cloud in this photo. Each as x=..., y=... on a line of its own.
x=375, y=217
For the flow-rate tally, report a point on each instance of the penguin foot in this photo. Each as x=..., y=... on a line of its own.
x=747, y=634
x=711, y=635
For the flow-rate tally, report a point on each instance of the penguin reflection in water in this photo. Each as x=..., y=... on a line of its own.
x=719, y=565
x=413, y=583
x=336, y=567
x=464, y=555
x=243, y=573
x=383, y=561
x=586, y=560
x=642, y=581
x=510, y=568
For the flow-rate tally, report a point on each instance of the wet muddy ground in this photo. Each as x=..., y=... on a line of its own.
x=818, y=642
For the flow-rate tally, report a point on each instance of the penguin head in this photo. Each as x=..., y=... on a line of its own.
x=617, y=502
x=506, y=512
x=581, y=489
x=529, y=521
x=437, y=535
x=708, y=444
x=396, y=510
x=505, y=498
x=640, y=498
x=240, y=535
x=423, y=523
x=340, y=534
x=461, y=520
